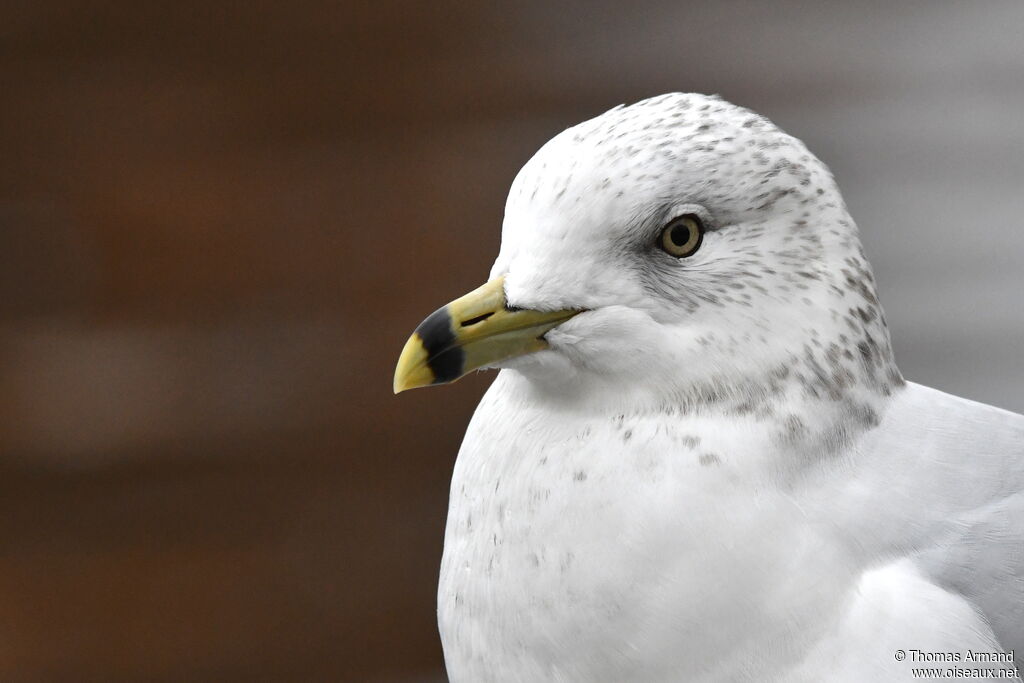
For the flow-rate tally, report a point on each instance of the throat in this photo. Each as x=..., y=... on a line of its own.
x=814, y=402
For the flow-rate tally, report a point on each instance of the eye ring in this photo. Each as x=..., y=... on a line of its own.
x=682, y=236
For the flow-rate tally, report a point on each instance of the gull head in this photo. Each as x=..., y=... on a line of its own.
x=678, y=249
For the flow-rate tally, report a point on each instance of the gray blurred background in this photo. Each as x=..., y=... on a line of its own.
x=220, y=221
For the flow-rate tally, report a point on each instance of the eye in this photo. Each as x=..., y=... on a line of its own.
x=681, y=236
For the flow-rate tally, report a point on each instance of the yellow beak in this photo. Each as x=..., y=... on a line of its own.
x=474, y=331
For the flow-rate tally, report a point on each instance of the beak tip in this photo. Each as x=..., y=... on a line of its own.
x=412, y=370
x=399, y=385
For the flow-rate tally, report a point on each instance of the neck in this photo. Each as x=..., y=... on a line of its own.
x=817, y=398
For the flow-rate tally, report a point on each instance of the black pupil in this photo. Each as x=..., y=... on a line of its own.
x=679, y=235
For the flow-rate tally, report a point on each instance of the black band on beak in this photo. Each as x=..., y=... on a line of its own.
x=444, y=357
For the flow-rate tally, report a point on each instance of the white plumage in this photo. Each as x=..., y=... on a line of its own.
x=716, y=472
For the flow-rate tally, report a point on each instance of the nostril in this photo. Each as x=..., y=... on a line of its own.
x=478, y=319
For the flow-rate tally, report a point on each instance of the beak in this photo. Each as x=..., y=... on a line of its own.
x=474, y=331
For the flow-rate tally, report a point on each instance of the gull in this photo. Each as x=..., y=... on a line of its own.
x=699, y=461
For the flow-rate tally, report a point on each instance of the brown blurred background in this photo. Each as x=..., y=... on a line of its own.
x=220, y=221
